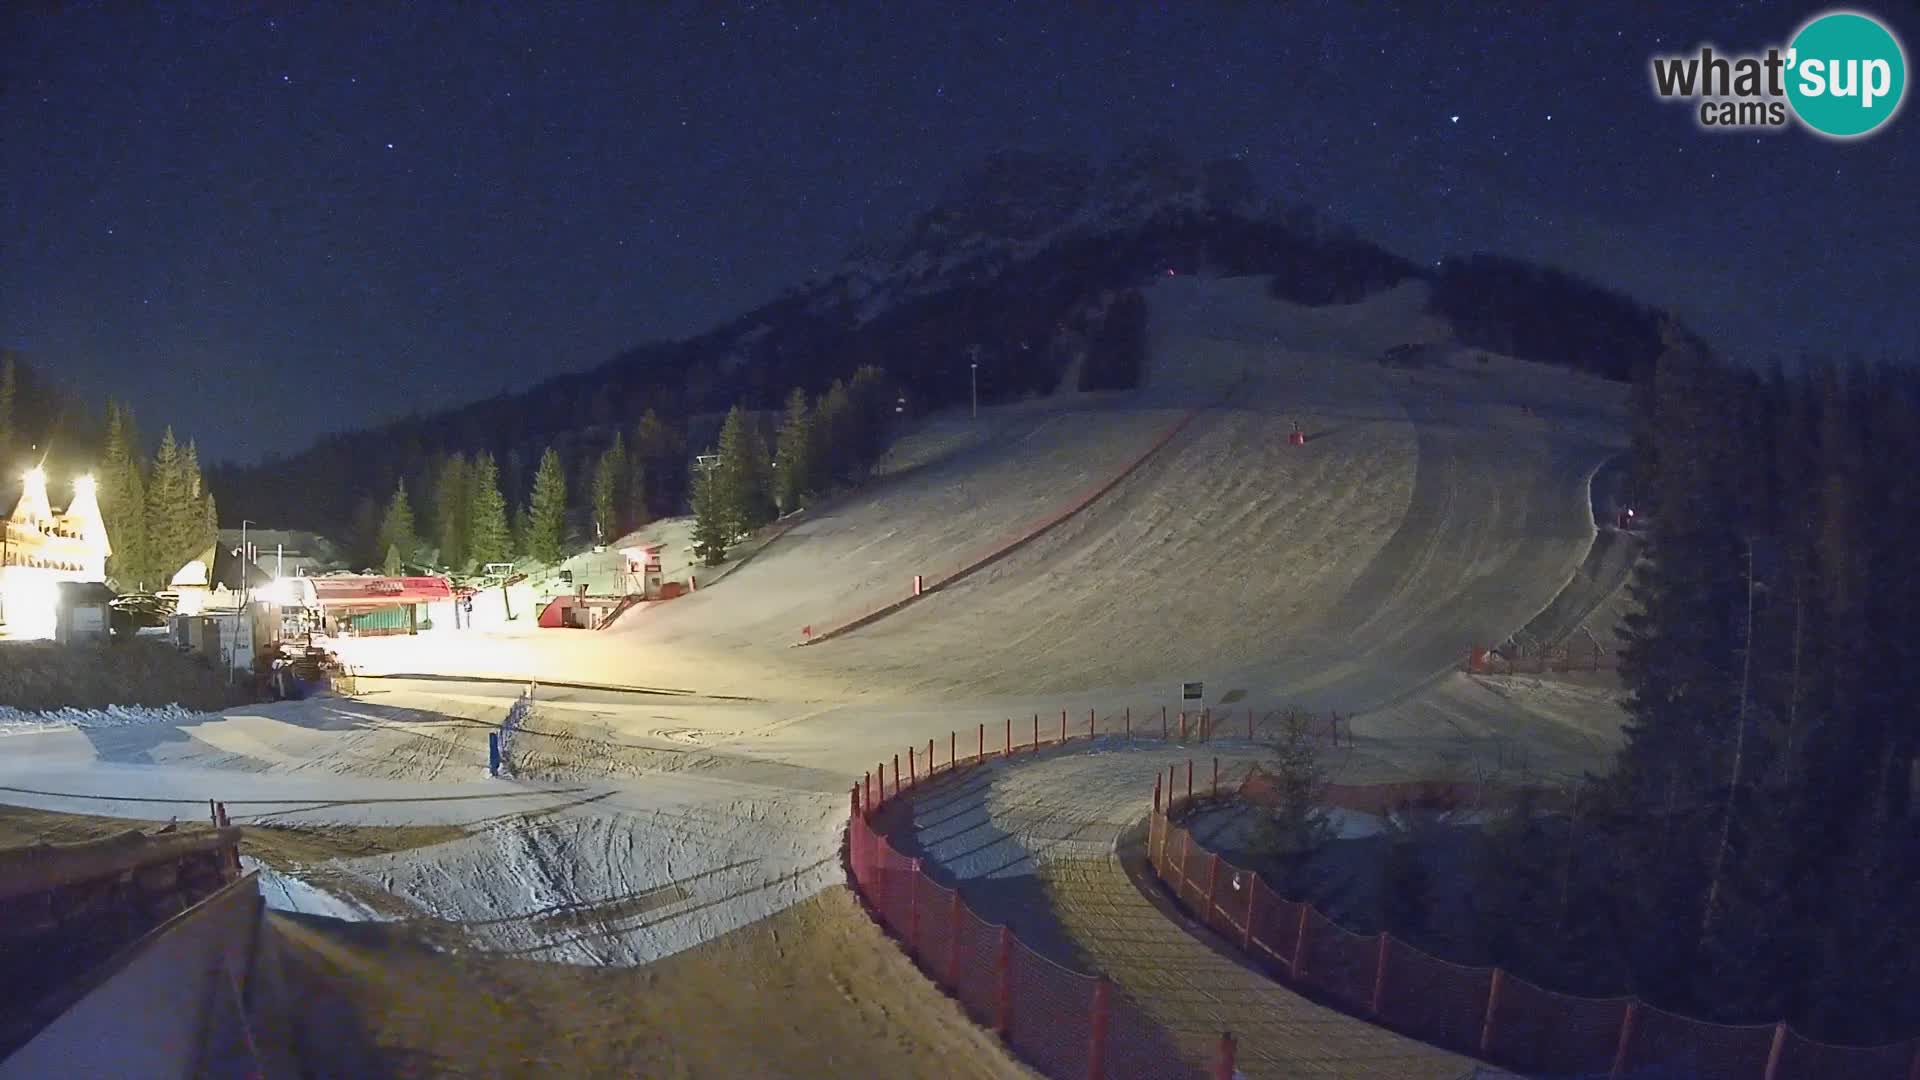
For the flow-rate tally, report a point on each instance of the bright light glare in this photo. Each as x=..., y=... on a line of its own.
x=30, y=603
x=83, y=485
x=35, y=478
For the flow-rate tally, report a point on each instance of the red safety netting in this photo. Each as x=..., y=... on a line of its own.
x=1542, y=1031
x=1805, y=1059
x=1138, y=1048
x=978, y=983
x=1232, y=893
x=1052, y=1010
x=933, y=919
x=1276, y=925
x=1339, y=963
x=1669, y=1039
x=1433, y=1000
x=1048, y=1011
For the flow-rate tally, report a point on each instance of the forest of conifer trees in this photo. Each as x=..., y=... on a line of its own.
x=1751, y=856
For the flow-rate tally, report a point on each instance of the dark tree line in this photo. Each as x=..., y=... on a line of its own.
x=1752, y=855
x=1538, y=313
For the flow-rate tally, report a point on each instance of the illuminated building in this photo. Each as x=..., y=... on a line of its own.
x=40, y=548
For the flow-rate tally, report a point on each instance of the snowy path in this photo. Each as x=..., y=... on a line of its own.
x=1033, y=843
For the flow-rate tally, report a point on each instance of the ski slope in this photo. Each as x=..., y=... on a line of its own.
x=1431, y=509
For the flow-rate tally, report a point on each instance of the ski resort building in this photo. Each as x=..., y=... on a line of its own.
x=39, y=548
x=358, y=605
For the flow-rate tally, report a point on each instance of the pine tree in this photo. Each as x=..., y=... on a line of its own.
x=658, y=465
x=491, y=540
x=610, y=491
x=712, y=529
x=123, y=502
x=834, y=438
x=453, y=512
x=172, y=519
x=397, y=533
x=203, y=518
x=364, y=533
x=742, y=474
x=794, y=468
x=547, y=510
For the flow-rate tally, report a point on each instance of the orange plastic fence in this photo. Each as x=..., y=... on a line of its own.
x=939, y=577
x=1488, y=1013
x=1065, y=1023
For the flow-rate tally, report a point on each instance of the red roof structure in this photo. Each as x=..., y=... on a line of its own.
x=346, y=590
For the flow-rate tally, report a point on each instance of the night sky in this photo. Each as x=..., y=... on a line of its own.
x=264, y=226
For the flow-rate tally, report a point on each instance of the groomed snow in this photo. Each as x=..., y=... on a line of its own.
x=1427, y=512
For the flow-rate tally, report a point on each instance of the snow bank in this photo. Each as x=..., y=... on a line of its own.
x=16, y=722
x=285, y=892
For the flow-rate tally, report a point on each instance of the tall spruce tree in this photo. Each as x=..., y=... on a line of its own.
x=123, y=502
x=398, y=536
x=491, y=540
x=453, y=512
x=834, y=438
x=794, y=469
x=174, y=517
x=743, y=474
x=712, y=524
x=610, y=491
x=547, y=510
x=659, y=466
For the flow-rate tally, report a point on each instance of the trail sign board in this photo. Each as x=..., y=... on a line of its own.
x=1190, y=691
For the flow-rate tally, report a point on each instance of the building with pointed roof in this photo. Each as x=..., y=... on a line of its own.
x=41, y=547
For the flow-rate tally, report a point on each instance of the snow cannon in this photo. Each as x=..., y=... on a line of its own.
x=1297, y=437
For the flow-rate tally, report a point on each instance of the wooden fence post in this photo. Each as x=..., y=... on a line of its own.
x=913, y=774
x=1008, y=750
x=883, y=781
x=1183, y=725
x=1036, y=731
x=953, y=750
x=1097, y=1037
x=929, y=759
x=868, y=803
x=896, y=776
x=1090, y=732
x=1300, y=943
x=1380, y=975
x=1063, y=727
x=1189, y=778
x=1129, y=721
x=1223, y=1065
x=1627, y=1022
x=1163, y=721
x=980, y=752
x=855, y=802
x=1253, y=899
x=1213, y=886
x=1487, y=1029
x=1216, y=777
x=1774, y=1051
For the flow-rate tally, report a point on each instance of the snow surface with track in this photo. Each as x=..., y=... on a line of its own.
x=1428, y=512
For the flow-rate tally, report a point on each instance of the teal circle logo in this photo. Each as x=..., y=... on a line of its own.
x=1846, y=74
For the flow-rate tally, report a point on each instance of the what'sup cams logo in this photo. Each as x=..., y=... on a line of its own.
x=1842, y=76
